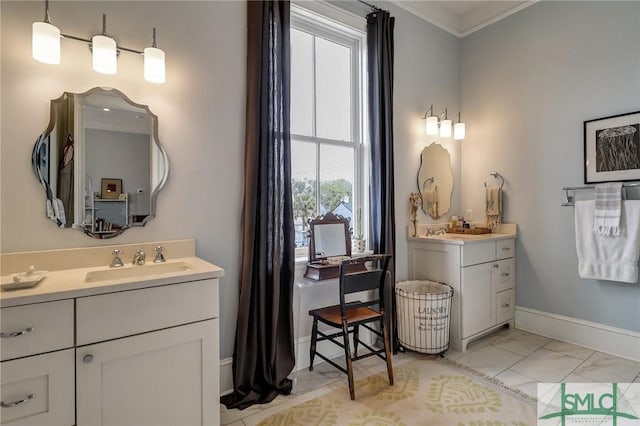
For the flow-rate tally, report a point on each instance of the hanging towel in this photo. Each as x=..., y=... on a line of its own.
x=493, y=205
x=430, y=202
x=608, y=209
x=603, y=257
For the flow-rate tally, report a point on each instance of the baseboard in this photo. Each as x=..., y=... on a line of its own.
x=603, y=338
x=226, y=376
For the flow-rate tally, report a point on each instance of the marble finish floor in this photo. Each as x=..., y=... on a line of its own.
x=518, y=358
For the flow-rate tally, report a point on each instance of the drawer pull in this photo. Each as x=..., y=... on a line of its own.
x=16, y=333
x=504, y=274
x=505, y=305
x=87, y=359
x=506, y=248
x=495, y=265
x=14, y=403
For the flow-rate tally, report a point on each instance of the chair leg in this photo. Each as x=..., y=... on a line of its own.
x=314, y=339
x=347, y=355
x=387, y=351
x=356, y=336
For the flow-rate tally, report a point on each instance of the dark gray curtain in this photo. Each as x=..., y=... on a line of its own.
x=380, y=76
x=264, y=352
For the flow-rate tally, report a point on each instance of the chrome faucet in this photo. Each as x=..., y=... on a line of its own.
x=139, y=258
x=159, y=256
x=116, y=262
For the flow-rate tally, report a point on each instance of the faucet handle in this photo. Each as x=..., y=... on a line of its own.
x=159, y=256
x=116, y=262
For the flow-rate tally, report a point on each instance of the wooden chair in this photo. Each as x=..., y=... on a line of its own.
x=348, y=317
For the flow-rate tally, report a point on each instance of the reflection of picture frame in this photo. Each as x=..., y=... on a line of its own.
x=612, y=148
x=111, y=188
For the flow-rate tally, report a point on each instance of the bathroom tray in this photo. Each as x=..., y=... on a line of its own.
x=472, y=231
x=26, y=281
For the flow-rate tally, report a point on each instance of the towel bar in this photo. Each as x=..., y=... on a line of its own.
x=571, y=199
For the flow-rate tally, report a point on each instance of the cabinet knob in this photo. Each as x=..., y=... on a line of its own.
x=505, y=274
x=87, y=358
x=506, y=248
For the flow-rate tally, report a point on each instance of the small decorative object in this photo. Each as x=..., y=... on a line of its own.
x=111, y=188
x=414, y=200
x=612, y=148
x=358, y=244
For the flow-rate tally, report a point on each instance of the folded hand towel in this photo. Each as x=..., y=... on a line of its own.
x=430, y=202
x=608, y=209
x=606, y=258
x=493, y=205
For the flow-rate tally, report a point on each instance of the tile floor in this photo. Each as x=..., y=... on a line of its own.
x=517, y=358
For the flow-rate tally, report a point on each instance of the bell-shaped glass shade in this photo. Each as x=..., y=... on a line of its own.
x=45, y=43
x=154, y=69
x=104, y=54
x=458, y=131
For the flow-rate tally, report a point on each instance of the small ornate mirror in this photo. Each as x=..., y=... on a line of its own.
x=435, y=180
x=329, y=237
x=100, y=162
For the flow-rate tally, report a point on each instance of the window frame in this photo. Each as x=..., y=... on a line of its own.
x=340, y=27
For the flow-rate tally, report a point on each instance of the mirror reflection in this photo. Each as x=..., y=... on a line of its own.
x=100, y=162
x=435, y=180
x=329, y=237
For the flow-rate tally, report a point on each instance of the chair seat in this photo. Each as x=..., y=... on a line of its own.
x=332, y=315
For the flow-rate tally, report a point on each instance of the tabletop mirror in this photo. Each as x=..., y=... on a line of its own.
x=100, y=162
x=435, y=180
x=329, y=242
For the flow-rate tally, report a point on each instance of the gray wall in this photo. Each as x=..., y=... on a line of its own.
x=527, y=84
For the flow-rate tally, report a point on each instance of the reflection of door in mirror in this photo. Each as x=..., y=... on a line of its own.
x=435, y=180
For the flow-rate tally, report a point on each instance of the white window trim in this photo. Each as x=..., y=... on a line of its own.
x=320, y=13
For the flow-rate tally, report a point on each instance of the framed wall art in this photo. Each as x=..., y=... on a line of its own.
x=111, y=188
x=612, y=148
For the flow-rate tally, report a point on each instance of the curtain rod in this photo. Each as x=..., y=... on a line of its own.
x=376, y=8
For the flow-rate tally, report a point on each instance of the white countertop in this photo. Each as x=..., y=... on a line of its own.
x=71, y=283
x=504, y=232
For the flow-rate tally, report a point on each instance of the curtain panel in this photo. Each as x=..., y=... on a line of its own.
x=264, y=347
x=381, y=189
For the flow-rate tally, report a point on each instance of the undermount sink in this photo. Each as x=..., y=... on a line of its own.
x=135, y=271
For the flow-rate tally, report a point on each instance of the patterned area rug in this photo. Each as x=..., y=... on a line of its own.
x=426, y=392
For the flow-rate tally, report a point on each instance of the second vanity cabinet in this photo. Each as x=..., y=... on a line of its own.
x=482, y=274
x=138, y=356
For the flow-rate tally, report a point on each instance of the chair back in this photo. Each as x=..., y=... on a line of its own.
x=362, y=274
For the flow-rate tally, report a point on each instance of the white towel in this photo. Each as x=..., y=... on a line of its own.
x=603, y=257
x=608, y=199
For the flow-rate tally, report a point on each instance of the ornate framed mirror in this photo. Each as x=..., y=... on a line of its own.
x=100, y=162
x=329, y=237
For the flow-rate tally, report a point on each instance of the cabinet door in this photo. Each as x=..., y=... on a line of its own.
x=166, y=377
x=478, y=299
x=506, y=305
x=38, y=390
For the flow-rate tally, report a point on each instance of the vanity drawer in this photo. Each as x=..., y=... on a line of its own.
x=50, y=379
x=109, y=316
x=503, y=274
x=505, y=249
x=506, y=305
x=36, y=328
x=478, y=252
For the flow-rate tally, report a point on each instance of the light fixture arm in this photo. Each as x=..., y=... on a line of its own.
x=154, y=44
x=47, y=17
x=428, y=112
x=445, y=114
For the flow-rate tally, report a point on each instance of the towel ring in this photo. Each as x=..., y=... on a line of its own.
x=497, y=176
x=429, y=180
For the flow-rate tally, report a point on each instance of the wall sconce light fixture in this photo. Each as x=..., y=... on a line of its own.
x=433, y=126
x=445, y=126
x=459, y=129
x=45, y=47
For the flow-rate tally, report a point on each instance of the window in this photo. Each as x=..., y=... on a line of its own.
x=327, y=122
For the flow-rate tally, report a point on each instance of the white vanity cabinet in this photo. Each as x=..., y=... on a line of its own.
x=482, y=274
x=148, y=357
x=128, y=352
